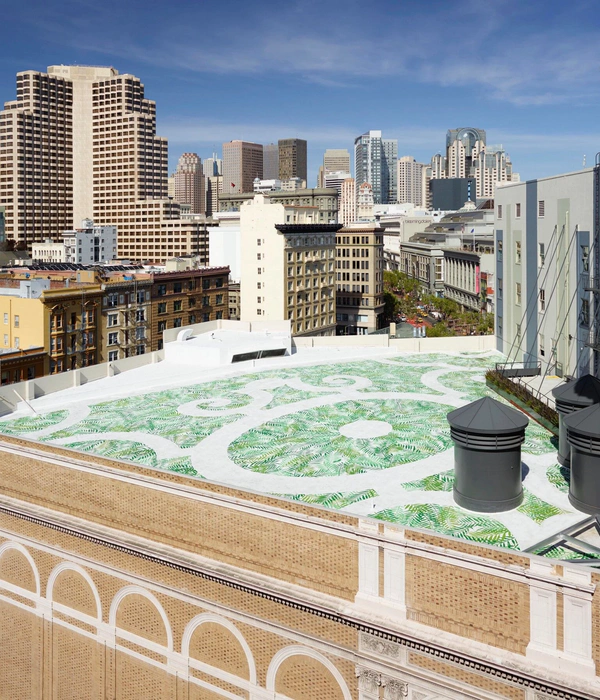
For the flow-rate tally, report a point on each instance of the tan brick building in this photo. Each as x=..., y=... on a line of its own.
x=187, y=297
x=122, y=582
x=359, y=278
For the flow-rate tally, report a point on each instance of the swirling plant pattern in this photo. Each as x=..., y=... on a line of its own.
x=309, y=443
x=450, y=520
x=371, y=434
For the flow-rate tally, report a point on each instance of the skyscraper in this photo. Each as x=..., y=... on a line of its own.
x=271, y=161
x=336, y=160
x=468, y=155
x=292, y=158
x=189, y=182
x=242, y=162
x=411, y=180
x=212, y=166
x=375, y=163
x=80, y=142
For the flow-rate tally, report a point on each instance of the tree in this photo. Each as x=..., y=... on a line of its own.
x=391, y=305
x=440, y=330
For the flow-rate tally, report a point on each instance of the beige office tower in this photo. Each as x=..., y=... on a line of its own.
x=214, y=187
x=347, y=213
x=189, y=182
x=292, y=158
x=89, y=139
x=336, y=160
x=410, y=181
x=242, y=162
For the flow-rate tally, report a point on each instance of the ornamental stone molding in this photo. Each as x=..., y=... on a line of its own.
x=368, y=680
x=381, y=647
x=394, y=689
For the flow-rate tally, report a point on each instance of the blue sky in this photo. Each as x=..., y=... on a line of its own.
x=526, y=71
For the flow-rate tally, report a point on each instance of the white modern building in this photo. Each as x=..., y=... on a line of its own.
x=287, y=263
x=224, y=243
x=547, y=273
x=87, y=245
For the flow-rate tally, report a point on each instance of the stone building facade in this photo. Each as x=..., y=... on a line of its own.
x=198, y=591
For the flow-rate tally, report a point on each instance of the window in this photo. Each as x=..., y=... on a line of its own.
x=541, y=208
x=500, y=287
x=17, y=341
x=112, y=320
x=259, y=271
x=6, y=319
x=518, y=252
x=6, y=339
x=585, y=258
x=113, y=355
x=499, y=211
x=219, y=282
x=140, y=333
x=113, y=338
x=161, y=290
x=205, y=301
x=177, y=287
x=519, y=333
x=177, y=305
x=219, y=299
x=140, y=297
x=259, y=285
x=585, y=312
x=205, y=284
x=542, y=346
x=162, y=325
x=542, y=254
x=140, y=315
x=518, y=210
x=258, y=300
x=258, y=241
x=191, y=301
x=499, y=250
x=192, y=318
x=219, y=315
x=140, y=349
x=162, y=307
x=259, y=312
x=542, y=300
x=518, y=293
x=258, y=256
x=177, y=322
x=16, y=321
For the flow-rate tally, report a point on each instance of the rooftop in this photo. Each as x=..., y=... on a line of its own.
x=362, y=430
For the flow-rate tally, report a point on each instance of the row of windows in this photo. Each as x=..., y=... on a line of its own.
x=541, y=209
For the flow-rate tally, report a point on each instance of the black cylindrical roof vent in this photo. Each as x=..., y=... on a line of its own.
x=487, y=455
x=570, y=397
x=583, y=434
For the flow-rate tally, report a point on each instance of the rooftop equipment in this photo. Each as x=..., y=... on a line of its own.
x=583, y=434
x=487, y=455
x=570, y=397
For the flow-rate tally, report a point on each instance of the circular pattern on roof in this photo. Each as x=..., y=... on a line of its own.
x=311, y=442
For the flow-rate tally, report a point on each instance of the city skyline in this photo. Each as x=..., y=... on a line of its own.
x=521, y=89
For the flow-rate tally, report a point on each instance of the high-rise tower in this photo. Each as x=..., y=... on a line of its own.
x=242, y=162
x=292, y=158
x=375, y=162
x=80, y=142
x=189, y=182
x=468, y=155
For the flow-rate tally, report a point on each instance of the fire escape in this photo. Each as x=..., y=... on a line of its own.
x=591, y=282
